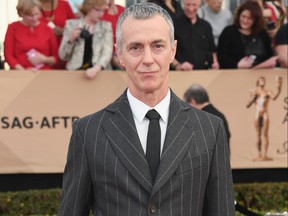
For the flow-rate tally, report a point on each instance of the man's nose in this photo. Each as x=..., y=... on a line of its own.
x=147, y=56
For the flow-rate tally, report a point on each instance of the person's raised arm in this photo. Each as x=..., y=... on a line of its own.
x=279, y=81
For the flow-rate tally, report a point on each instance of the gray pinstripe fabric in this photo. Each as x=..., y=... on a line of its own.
x=107, y=171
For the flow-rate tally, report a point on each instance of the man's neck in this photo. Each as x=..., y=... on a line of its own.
x=212, y=10
x=194, y=20
x=150, y=98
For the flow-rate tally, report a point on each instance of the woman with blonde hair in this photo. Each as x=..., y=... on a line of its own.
x=88, y=42
x=29, y=43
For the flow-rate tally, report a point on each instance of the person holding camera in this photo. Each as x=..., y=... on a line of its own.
x=273, y=14
x=88, y=42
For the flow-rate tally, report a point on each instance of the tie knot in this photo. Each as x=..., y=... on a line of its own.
x=152, y=114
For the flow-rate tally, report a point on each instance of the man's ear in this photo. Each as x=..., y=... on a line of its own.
x=174, y=48
x=193, y=103
x=119, y=55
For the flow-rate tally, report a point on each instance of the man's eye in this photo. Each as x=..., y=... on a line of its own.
x=134, y=48
x=158, y=47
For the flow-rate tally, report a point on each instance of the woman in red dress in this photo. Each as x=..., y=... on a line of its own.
x=29, y=43
x=111, y=15
x=54, y=14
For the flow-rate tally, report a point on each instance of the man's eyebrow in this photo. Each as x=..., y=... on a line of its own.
x=159, y=41
x=133, y=44
x=139, y=43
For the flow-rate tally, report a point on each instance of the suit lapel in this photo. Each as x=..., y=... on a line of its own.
x=177, y=141
x=121, y=131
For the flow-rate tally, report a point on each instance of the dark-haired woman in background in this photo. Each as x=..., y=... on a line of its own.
x=246, y=44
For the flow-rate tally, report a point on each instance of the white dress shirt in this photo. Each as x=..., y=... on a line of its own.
x=139, y=110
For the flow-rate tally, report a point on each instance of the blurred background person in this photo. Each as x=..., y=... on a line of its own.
x=29, y=43
x=173, y=7
x=88, y=42
x=273, y=15
x=281, y=43
x=195, y=44
x=246, y=44
x=217, y=16
x=1, y=59
x=268, y=11
x=197, y=96
x=111, y=15
x=76, y=7
x=55, y=13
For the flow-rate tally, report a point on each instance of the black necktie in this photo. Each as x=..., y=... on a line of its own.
x=153, y=142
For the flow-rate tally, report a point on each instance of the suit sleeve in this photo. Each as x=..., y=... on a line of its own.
x=76, y=189
x=219, y=196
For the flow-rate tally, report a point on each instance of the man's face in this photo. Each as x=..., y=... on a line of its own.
x=215, y=5
x=191, y=8
x=146, y=54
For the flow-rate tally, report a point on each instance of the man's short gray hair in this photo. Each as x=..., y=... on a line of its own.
x=143, y=11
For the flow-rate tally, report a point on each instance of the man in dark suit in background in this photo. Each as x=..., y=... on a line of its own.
x=197, y=96
x=108, y=167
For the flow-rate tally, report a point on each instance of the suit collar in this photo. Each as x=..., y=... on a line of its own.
x=177, y=141
x=139, y=109
x=121, y=131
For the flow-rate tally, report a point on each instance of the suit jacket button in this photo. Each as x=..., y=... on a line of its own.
x=153, y=208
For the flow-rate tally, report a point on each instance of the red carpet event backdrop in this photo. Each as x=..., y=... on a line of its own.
x=37, y=111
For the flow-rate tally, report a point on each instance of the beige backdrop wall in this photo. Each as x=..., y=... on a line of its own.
x=37, y=110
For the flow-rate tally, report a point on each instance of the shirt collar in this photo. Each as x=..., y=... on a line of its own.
x=139, y=109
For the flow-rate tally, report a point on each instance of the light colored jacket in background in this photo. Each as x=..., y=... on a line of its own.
x=102, y=45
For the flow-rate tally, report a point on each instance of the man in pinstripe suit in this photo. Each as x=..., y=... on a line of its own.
x=106, y=168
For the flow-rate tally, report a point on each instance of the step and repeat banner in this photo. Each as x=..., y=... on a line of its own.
x=37, y=111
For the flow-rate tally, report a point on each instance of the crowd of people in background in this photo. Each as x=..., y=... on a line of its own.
x=80, y=35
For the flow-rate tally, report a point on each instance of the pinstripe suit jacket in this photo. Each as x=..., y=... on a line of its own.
x=107, y=170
